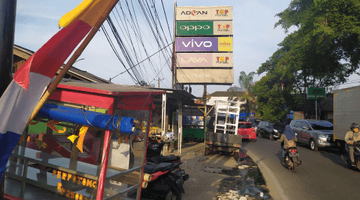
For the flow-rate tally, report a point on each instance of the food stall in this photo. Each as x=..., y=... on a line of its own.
x=87, y=142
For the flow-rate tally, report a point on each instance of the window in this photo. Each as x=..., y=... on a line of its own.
x=305, y=124
x=298, y=125
x=292, y=124
x=322, y=125
x=245, y=126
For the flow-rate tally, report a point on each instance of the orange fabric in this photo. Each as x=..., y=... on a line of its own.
x=95, y=11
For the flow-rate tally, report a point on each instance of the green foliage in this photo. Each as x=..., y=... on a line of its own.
x=324, y=51
x=246, y=83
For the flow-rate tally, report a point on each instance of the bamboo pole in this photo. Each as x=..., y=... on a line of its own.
x=72, y=60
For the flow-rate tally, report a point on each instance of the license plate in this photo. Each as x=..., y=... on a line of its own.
x=245, y=136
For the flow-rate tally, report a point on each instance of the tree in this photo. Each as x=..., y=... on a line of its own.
x=323, y=52
x=246, y=83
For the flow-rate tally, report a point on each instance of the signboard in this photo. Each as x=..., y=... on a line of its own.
x=204, y=60
x=204, y=44
x=204, y=28
x=194, y=28
x=298, y=115
x=316, y=93
x=205, y=76
x=204, y=13
x=223, y=28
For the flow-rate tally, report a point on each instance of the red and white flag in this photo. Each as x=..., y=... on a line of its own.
x=31, y=80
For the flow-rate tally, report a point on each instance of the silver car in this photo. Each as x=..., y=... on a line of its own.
x=315, y=133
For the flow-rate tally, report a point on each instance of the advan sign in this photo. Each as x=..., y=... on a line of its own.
x=204, y=60
x=204, y=13
x=184, y=44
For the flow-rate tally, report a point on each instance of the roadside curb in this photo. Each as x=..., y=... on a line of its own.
x=270, y=178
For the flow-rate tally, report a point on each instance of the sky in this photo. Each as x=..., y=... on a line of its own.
x=255, y=38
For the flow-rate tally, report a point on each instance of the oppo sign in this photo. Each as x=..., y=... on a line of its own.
x=194, y=28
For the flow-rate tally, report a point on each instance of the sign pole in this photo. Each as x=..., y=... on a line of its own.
x=7, y=24
x=316, y=109
x=173, y=53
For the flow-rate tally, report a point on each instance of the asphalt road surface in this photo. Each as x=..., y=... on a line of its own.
x=322, y=175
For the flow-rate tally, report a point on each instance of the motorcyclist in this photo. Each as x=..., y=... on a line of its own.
x=288, y=138
x=351, y=137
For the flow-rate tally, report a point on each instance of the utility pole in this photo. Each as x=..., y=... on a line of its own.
x=159, y=79
x=7, y=30
x=173, y=68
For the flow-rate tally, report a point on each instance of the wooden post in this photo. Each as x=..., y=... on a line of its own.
x=180, y=128
x=205, y=113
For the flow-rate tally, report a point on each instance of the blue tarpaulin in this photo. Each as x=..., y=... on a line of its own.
x=84, y=117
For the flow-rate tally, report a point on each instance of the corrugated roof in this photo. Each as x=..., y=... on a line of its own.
x=226, y=94
x=185, y=97
x=73, y=71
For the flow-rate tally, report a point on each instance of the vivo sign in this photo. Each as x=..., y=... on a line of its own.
x=204, y=60
x=203, y=44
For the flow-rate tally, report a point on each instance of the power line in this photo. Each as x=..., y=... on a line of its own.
x=142, y=60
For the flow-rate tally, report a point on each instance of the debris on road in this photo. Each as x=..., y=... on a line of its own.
x=248, y=184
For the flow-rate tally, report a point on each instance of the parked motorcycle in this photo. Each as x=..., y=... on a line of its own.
x=346, y=156
x=163, y=181
x=291, y=160
x=153, y=154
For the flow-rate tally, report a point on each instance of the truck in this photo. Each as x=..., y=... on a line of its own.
x=346, y=111
x=222, y=134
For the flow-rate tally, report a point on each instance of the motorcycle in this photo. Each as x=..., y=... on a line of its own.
x=291, y=160
x=163, y=181
x=346, y=156
x=153, y=154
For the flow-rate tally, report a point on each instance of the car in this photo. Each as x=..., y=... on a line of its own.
x=254, y=122
x=247, y=131
x=265, y=128
x=315, y=133
x=278, y=127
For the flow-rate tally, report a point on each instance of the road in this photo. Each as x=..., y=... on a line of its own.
x=322, y=175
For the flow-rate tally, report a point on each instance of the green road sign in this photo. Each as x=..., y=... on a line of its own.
x=194, y=28
x=316, y=93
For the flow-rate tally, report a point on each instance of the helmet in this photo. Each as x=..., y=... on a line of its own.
x=168, y=137
x=354, y=125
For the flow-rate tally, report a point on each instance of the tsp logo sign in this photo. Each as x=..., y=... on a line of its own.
x=222, y=12
x=222, y=59
x=223, y=27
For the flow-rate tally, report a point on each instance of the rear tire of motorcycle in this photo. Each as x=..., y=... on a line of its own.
x=295, y=167
x=178, y=196
x=169, y=196
x=313, y=146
